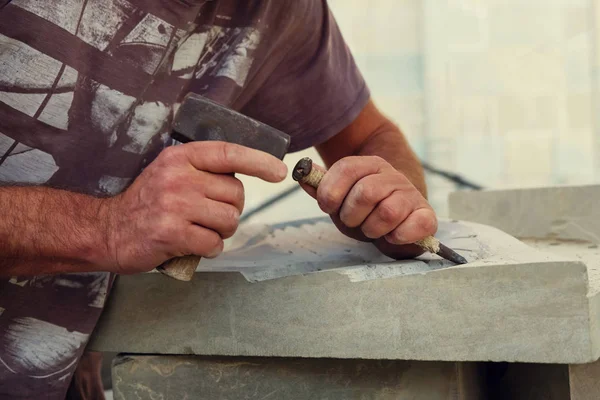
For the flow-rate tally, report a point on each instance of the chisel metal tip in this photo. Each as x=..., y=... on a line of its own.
x=451, y=255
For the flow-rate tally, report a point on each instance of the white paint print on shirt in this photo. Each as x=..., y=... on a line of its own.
x=103, y=115
x=66, y=99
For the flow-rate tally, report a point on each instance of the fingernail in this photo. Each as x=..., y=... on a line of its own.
x=217, y=251
x=283, y=171
x=395, y=240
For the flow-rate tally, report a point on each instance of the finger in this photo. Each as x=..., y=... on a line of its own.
x=364, y=196
x=220, y=217
x=387, y=216
x=223, y=188
x=398, y=252
x=340, y=178
x=227, y=158
x=312, y=192
x=418, y=225
x=201, y=241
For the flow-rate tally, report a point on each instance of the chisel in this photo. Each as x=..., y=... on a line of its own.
x=305, y=173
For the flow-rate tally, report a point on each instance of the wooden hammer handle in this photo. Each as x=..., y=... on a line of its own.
x=180, y=268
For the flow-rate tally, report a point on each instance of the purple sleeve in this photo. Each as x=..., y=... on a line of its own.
x=316, y=90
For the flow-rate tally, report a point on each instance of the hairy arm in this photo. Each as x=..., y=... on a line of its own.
x=372, y=134
x=47, y=231
x=185, y=202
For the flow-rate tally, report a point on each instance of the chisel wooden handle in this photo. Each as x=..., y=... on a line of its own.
x=305, y=172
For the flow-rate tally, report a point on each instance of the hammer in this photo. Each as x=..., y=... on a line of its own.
x=198, y=119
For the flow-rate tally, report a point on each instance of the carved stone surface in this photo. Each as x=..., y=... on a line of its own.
x=510, y=303
x=202, y=378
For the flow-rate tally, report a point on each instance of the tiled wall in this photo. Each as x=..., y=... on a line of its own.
x=385, y=37
x=497, y=90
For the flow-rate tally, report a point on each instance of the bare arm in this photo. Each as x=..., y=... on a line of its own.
x=47, y=231
x=185, y=202
x=372, y=134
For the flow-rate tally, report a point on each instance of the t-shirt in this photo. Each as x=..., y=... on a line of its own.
x=88, y=89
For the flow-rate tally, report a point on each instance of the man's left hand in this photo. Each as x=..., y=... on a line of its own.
x=369, y=200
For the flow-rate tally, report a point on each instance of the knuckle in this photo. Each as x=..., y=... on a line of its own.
x=389, y=213
x=165, y=230
x=164, y=173
x=426, y=222
x=168, y=202
x=329, y=201
x=365, y=194
x=346, y=165
x=227, y=153
x=171, y=154
x=377, y=160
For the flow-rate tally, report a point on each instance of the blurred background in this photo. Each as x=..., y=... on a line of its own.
x=504, y=93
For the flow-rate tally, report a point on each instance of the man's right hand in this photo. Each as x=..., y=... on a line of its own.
x=185, y=202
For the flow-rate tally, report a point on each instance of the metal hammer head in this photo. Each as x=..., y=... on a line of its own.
x=200, y=119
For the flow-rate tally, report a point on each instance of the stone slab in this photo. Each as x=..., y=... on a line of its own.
x=510, y=303
x=567, y=212
x=203, y=378
x=562, y=220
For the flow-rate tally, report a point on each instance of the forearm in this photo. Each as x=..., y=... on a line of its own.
x=372, y=134
x=49, y=231
x=390, y=144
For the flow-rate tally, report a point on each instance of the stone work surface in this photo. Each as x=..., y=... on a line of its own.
x=534, y=300
x=563, y=220
x=566, y=213
x=510, y=303
x=202, y=378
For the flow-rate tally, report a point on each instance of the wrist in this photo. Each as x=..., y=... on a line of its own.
x=49, y=231
x=89, y=244
x=102, y=252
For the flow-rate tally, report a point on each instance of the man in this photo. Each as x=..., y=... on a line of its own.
x=91, y=186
